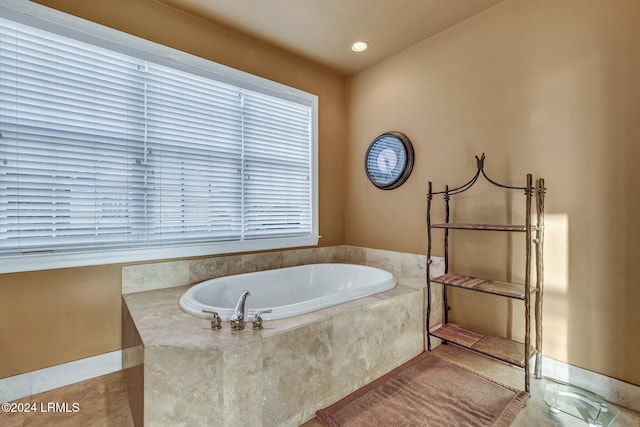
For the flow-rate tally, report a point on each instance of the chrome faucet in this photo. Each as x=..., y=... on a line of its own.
x=239, y=314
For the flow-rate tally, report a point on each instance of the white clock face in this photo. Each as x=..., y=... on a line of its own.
x=389, y=160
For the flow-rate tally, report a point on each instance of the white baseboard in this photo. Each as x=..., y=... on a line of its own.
x=612, y=390
x=42, y=380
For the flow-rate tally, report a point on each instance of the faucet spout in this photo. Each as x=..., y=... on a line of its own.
x=240, y=313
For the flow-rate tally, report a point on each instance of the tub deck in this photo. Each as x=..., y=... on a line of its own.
x=279, y=375
x=162, y=323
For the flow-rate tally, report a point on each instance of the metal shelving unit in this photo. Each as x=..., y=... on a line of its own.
x=504, y=349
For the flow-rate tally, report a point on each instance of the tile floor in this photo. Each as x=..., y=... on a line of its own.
x=103, y=401
x=536, y=413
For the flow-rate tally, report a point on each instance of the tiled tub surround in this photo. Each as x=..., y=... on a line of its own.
x=145, y=277
x=280, y=375
x=277, y=376
x=411, y=268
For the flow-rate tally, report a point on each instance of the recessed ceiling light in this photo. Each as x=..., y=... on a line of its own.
x=359, y=46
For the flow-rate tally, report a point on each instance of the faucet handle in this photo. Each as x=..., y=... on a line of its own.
x=257, y=320
x=216, y=321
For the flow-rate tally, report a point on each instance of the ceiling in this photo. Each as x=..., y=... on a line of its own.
x=323, y=30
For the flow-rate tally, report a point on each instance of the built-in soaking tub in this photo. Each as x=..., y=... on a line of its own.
x=287, y=291
x=293, y=366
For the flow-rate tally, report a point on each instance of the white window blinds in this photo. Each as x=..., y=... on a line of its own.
x=101, y=150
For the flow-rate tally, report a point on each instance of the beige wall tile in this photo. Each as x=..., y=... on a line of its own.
x=297, y=367
x=209, y=268
x=146, y=277
x=296, y=257
x=387, y=260
x=182, y=386
x=403, y=326
x=262, y=261
x=354, y=254
x=358, y=342
x=243, y=382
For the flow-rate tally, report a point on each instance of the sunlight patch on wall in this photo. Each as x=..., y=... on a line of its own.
x=556, y=284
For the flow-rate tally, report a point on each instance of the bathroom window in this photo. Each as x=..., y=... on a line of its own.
x=114, y=149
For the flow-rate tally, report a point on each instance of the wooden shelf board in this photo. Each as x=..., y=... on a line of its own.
x=487, y=227
x=497, y=347
x=495, y=287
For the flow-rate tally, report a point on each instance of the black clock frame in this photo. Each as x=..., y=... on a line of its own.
x=406, y=168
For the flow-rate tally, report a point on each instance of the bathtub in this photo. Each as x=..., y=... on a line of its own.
x=288, y=292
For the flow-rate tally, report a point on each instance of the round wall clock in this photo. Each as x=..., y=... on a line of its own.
x=389, y=160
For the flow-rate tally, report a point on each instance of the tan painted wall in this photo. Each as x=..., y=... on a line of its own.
x=549, y=87
x=52, y=317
